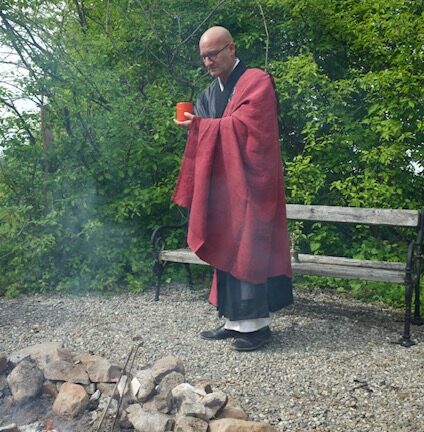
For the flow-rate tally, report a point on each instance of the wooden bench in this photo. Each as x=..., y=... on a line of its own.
x=407, y=273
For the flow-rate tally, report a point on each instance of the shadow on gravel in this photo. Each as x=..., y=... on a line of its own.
x=333, y=310
x=337, y=325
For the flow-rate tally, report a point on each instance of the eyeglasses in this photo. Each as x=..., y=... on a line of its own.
x=212, y=55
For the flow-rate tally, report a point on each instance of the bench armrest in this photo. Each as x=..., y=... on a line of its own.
x=158, y=240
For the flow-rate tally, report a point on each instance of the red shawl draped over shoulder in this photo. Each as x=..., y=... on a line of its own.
x=231, y=180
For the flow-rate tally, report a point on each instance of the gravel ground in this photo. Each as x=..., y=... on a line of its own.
x=330, y=366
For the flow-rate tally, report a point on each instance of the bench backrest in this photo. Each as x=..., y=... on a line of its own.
x=369, y=216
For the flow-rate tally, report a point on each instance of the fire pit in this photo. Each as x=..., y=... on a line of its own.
x=47, y=388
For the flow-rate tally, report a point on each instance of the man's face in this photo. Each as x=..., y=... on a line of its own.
x=218, y=57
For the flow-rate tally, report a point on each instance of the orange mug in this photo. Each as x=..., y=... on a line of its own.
x=183, y=107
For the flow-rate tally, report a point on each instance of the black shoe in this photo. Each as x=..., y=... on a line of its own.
x=219, y=333
x=252, y=341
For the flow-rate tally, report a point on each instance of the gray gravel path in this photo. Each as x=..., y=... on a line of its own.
x=329, y=367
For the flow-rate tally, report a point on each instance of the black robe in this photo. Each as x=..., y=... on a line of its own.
x=240, y=300
x=212, y=102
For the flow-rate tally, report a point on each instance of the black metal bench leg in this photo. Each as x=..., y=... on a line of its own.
x=158, y=283
x=405, y=340
x=158, y=270
x=189, y=275
x=417, y=320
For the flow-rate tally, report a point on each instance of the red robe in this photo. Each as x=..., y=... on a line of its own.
x=231, y=180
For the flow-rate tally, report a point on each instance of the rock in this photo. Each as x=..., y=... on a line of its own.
x=123, y=385
x=185, y=393
x=164, y=399
x=9, y=428
x=32, y=427
x=193, y=409
x=86, y=358
x=124, y=423
x=149, y=405
x=147, y=421
x=60, y=370
x=163, y=402
x=16, y=358
x=42, y=354
x=25, y=381
x=190, y=424
x=235, y=425
x=214, y=402
x=71, y=400
x=169, y=382
x=134, y=386
x=101, y=370
x=166, y=365
x=91, y=388
x=94, y=401
x=107, y=389
x=96, y=395
x=7, y=404
x=146, y=384
x=231, y=411
x=4, y=389
x=3, y=362
x=50, y=389
x=204, y=385
x=133, y=409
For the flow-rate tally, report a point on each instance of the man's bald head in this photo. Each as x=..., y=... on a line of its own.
x=216, y=34
x=218, y=51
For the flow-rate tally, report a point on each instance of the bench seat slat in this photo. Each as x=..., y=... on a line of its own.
x=317, y=265
x=372, y=216
x=347, y=272
x=322, y=259
x=182, y=256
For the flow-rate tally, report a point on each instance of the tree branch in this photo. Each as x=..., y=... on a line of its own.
x=81, y=14
x=267, y=36
x=24, y=123
x=200, y=25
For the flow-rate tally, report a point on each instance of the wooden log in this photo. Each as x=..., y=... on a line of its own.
x=405, y=218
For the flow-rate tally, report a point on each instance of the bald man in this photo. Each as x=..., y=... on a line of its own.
x=218, y=53
x=231, y=180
